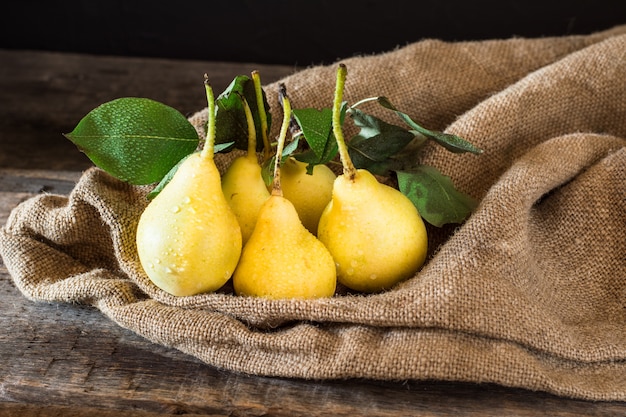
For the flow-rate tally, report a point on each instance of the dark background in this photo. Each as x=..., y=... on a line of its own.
x=298, y=33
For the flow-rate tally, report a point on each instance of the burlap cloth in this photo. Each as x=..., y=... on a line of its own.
x=530, y=292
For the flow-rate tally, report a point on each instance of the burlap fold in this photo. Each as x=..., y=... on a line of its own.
x=529, y=292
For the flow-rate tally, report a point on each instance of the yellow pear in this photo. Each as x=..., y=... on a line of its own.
x=188, y=239
x=242, y=183
x=374, y=232
x=309, y=193
x=245, y=191
x=282, y=259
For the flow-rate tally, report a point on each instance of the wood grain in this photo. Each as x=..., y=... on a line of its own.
x=70, y=360
x=59, y=358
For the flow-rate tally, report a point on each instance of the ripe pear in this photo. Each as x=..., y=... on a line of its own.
x=309, y=193
x=245, y=191
x=242, y=183
x=282, y=259
x=374, y=232
x=188, y=239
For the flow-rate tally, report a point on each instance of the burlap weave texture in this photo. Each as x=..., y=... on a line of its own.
x=530, y=292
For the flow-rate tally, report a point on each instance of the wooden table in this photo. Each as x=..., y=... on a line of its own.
x=70, y=360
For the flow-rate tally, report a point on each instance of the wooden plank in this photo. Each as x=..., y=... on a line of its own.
x=64, y=359
x=18, y=185
x=35, y=182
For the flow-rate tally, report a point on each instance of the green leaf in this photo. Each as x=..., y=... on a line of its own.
x=376, y=142
x=316, y=126
x=434, y=195
x=451, y=142
x=317, y=129
x=230, y=119
x=137, y=140
x=290, y=147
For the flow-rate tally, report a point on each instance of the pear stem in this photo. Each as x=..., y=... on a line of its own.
x=256, y=79
x=251, y=129
x=209, y=143
x=348, y=167
x=276, y=190
x=363, y=101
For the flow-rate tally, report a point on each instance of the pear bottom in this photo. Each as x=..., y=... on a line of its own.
x=374, y=233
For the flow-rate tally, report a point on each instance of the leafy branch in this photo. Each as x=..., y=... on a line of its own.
x=386, y=149
x=142, y=142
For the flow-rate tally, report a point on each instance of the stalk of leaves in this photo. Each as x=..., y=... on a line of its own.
x=142, y=141
x=387, y=149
